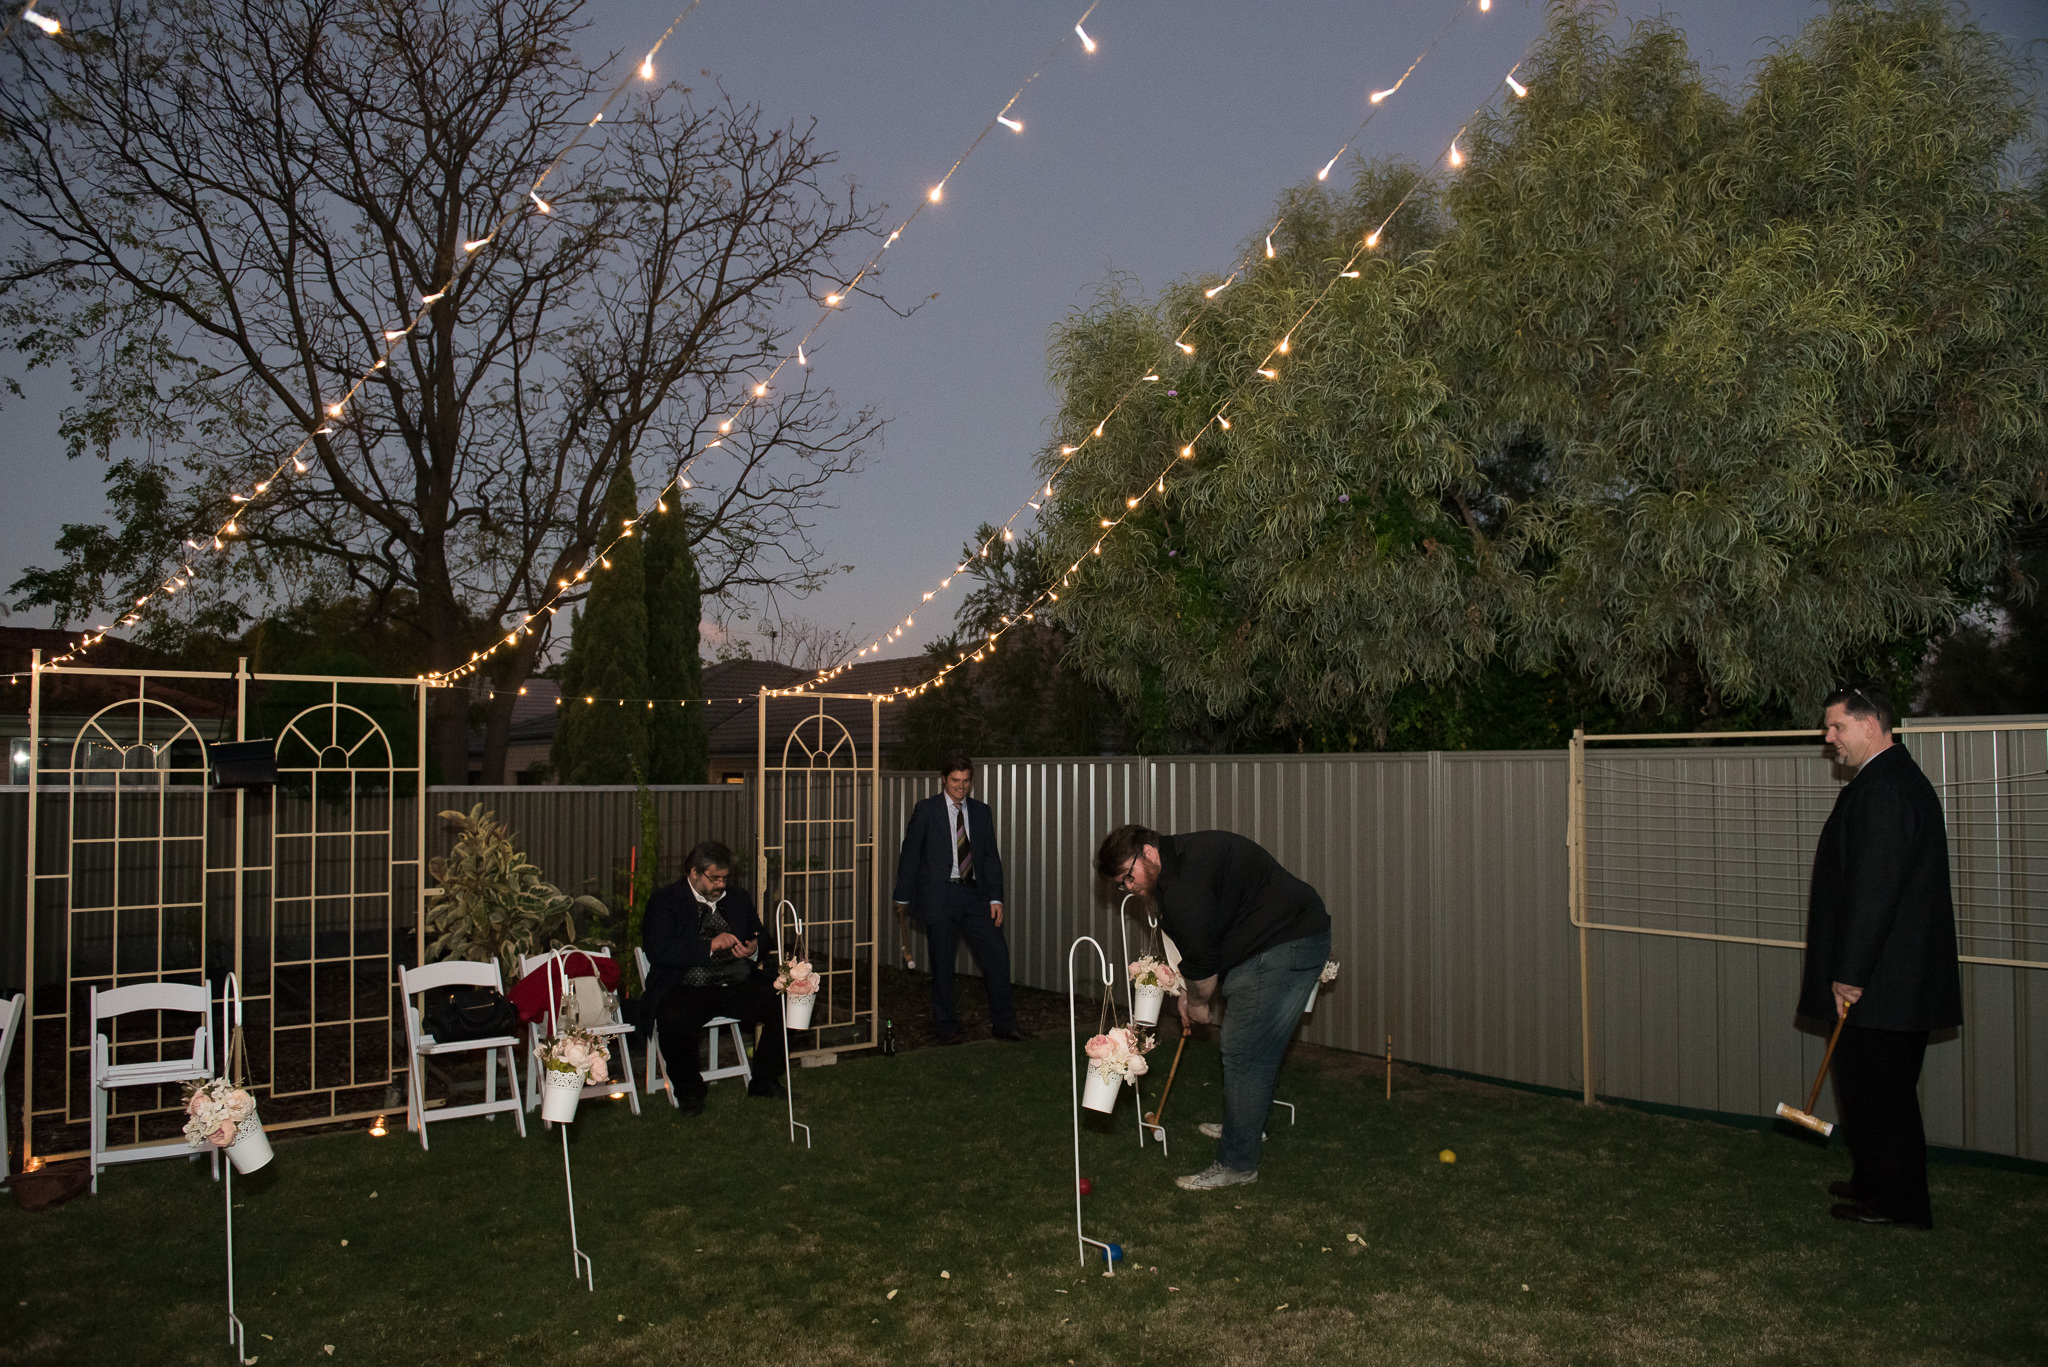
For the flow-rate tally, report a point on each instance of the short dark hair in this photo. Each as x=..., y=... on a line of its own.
x=706, y=855
x=953, y=762
x=1121, y=846
x=1865, y=700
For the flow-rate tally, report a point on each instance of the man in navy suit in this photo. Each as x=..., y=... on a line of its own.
x=1881, y=951
x=951, y=878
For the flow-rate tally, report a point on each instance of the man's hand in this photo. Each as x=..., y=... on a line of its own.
x=995, y=911
x=725, y=940
x=746, y=949
x=1846, y=997
x=1197, y=1001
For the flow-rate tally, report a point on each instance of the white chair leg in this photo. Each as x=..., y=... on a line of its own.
x=512, y=1081
x=416, y=1098
x=739, y=1042
x=99, y=1134
x=626, y=1071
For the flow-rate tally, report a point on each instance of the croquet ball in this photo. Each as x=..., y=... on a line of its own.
x=1113, y=1254
x=1447, y=1157
x=1087, y=1187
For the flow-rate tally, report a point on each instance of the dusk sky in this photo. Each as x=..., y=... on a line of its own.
x=1155, y=157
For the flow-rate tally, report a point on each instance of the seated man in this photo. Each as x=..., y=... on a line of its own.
x=701, y=938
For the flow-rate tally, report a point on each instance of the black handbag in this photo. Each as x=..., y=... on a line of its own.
x=464, y=1013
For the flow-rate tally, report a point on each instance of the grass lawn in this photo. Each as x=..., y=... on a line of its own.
x=1561, y=1234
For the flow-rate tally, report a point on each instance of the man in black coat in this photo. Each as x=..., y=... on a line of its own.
x=1881, y=950
x=1248, y=928
x=950, y=877
x=701, y=937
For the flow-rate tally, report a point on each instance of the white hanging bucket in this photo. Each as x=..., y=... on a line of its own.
x=1098, y=1093
x=560, y=1093
x=251, y=1149
x=1146, y=999
x=796, y=1011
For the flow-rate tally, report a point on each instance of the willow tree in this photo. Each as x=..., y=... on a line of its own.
x=1654, y=385
x=223, y=214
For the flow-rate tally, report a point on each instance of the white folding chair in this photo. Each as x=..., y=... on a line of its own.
x=423, y=1046
x=621, y=1076
x=12, y=1011
x=657, y=1065
x=107, y=1075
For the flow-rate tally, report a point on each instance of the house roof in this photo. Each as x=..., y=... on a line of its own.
x=84, y=694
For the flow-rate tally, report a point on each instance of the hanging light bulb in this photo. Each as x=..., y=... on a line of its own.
x=1457, y=157
x=938, y=191
x=1516, y=86
x=1185, y=347
x=476, y=242
x=1269, y=246
x=540, y=203
x=1324, y=174
x=801, y=359
x=1087, y=43
x=647, y=67
x=1285, y=343
x=1014, y=125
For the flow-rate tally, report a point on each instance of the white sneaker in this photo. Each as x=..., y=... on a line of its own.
x=1213, y=1176
x=1214, y=1129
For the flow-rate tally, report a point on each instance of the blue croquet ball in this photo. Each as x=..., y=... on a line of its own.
x=1113, y=1254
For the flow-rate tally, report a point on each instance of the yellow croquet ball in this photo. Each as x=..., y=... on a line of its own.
x=1447, y=1157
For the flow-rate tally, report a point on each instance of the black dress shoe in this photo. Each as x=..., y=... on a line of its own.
x=1016, y=1034
x=772, y=1089
x=1845, y=1191
x=1858, y=1213
x=691, y=1105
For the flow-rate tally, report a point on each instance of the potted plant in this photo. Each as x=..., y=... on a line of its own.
x=570, y=1061
x=1115, y=1056
x=222, y=1114
x=489, y=903
x=798, y=983
x=1152, y=981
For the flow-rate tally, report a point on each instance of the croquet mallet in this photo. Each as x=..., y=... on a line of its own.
x=1152, y=1117
x=1806, y=1117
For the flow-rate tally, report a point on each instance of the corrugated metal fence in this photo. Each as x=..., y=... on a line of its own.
x=1446, y=875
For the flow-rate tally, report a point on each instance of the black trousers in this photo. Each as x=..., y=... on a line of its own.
x=1877, y=1081
x=961, y=916
x=681, y=1018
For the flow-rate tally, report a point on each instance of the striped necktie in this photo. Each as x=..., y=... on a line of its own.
x=963, y=848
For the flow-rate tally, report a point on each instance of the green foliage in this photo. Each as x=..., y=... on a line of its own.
x=677, y=748
x=1018, y=698
x=606, y=742
x=1662, y=407
x=489, y=904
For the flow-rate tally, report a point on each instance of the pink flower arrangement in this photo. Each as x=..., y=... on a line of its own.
x=1329, y=974
x=797, y=978
x=215, y=1110
x=1147, y=971
x=577, y=1051
x=1118, y=1055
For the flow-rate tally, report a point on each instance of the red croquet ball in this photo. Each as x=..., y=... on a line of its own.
x=1087, y=1187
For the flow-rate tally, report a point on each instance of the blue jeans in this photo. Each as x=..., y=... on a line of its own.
x=1263, y=1001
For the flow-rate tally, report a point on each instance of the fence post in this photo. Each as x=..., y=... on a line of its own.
x=1575, y=867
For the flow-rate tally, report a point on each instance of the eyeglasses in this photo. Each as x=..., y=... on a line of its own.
x=1123, y=880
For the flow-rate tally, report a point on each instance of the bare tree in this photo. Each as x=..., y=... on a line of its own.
x=809, y=645
x=222, y=211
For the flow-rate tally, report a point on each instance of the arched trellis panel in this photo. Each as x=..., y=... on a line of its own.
x=138, y=870
x=815, y=849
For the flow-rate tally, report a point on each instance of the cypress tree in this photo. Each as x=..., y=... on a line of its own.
x=601, y=742
x=677, y=747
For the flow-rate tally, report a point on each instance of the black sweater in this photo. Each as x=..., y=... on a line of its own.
x=1224, y=900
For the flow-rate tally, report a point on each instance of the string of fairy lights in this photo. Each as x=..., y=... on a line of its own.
x=334, y=411
x=1179, y=346
x=758, y=390
x=1267, y=372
